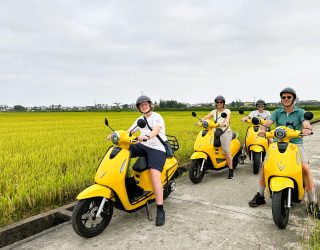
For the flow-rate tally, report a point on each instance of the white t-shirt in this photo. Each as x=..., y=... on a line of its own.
x=265, y=114
x=153, y=120
x=216, y=116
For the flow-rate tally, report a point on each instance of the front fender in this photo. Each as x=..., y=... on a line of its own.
x=256, y=148
x=280, y=183
x=95, y=190
x=199, y=155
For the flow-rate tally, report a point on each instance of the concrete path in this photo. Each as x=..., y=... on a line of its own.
x=211, y=215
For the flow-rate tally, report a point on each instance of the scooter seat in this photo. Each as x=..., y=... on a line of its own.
x=141, y=164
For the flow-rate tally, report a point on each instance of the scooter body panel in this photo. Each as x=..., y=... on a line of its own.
x=254, y=142
x=280, y=183
x=286, y=164
x=95, y=190
x=204, y=147
x=199, y=155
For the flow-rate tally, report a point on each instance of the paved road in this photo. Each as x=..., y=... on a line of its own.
x=211, y=215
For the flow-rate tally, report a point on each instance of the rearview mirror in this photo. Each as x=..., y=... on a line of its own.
x=141, y=123
x=308, y=115
x=241, y=112
x=194, y=114
x=255, y=120
x=223, y=115
x=106, y=122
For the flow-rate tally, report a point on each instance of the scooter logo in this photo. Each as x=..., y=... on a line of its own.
x=103, y=174
x=281, y=165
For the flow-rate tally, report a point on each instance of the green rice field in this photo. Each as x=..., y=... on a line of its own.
x=46, y=159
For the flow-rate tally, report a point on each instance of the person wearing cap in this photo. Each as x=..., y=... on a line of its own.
x=293, y=117
x=151, y=146
x=224, y=124
x=260, y=112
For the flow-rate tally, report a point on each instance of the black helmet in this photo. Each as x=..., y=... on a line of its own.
x=260, y=102
x=220, y=97
x=141, y=99
x=289, y=90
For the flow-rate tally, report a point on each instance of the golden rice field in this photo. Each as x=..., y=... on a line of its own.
x=46, y=159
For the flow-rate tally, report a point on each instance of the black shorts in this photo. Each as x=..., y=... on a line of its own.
x=156, y=158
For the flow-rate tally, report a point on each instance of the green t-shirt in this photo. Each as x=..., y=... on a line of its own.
x=292, y=120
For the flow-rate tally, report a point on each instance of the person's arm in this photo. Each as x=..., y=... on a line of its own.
x=207, y=117
x=307, y=128
x=248, y=116
x=263, y=128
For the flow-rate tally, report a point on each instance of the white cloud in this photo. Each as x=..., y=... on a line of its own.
x=72, y=52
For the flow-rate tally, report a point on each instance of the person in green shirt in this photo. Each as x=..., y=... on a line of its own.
x=293, y=117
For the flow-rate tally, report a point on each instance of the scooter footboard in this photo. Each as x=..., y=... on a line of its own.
x=95, y=190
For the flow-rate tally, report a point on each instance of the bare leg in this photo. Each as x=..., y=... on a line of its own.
x=229, y=160
x=307, y=176
x=157, y=185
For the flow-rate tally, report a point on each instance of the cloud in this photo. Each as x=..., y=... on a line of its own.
x=72, y=52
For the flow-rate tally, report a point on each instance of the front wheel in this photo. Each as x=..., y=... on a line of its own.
x=195, y=172
x=280, y=211
x=84, y=220
x=256, y=162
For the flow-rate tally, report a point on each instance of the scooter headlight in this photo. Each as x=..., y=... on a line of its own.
x=115, y=137
x=280, y=133
x=205, y=124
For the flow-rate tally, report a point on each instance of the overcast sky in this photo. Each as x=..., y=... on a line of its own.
x=76, y=52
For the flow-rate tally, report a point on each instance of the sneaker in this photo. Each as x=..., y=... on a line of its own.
x=231, y=174
x=257, y=200
x=313, y=209
x=161, y=217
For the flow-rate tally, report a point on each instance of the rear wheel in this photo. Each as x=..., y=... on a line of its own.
x=84, y=220
x=195, y=172
x=256, y=162
x=168, y=188
x=280, y=211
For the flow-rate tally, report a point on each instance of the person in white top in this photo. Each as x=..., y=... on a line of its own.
x=151, y=146
x=226, y=137
x=260, y=112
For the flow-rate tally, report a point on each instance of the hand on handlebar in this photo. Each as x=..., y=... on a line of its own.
x=142, y=138
x=244, y=119
x=306, y=131
x=108, y=138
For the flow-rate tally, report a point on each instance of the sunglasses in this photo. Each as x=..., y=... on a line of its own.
x=286, y=97
x=219, y=102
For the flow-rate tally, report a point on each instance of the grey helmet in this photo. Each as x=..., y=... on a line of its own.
x=220, y=97
x=289, y=90
x=141, y=99
x=261, y=102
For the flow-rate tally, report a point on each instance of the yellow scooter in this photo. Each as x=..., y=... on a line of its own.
x=93, y=211
x=208, y=151
x=255, y=146
x=283, y=172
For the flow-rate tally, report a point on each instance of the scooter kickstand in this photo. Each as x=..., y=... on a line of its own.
x=148, y=212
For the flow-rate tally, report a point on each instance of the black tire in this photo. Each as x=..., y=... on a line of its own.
x=167, y=189
x=235, y=160
x=256, y=162
x=85, y=211
x=195, y=173
x=280, y=212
